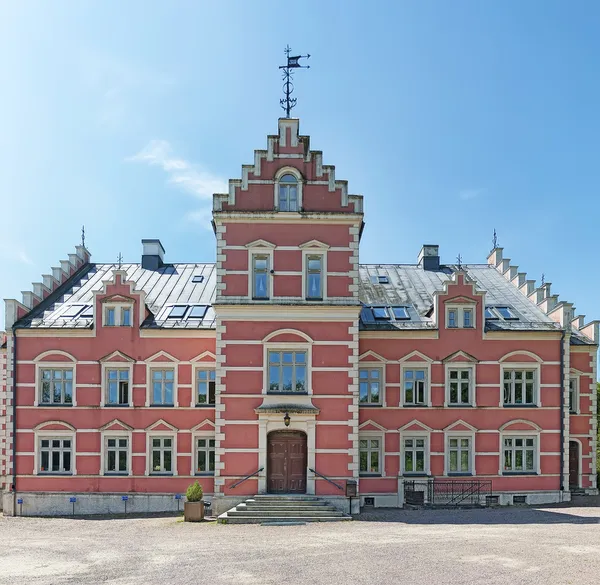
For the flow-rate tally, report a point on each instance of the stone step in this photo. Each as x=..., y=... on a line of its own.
x=282, y=513
x=286, y=508
x=286, y=497
x=225, y=519
x=282, y=504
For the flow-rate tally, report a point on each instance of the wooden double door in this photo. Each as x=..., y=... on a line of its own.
x=286, y=462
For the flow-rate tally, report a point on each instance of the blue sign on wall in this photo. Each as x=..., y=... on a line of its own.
x=19, y=500
x=124, y=498
x=178, y=496
x=72, y=500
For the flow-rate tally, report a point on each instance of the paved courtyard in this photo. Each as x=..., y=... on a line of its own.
x=508, y=546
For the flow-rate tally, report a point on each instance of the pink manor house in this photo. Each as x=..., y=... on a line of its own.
x=287, y=367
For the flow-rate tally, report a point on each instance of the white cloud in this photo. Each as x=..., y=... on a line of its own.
x=185, y=175
x=467, y=194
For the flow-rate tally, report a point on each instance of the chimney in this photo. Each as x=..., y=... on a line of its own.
x=152, y=254
x=429, y=257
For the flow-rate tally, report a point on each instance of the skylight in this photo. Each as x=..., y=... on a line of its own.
x=197, y=278
x=506, y=313
x=177, y=312
x=88, y=312
x=197, y=312
x=383, y=280
x=380, y=313
x=490, y=313
x=400, y=313
x=73, y=311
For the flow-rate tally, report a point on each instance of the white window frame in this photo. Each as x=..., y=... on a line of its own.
x=206, y=367
x=427, y=463
x=208, y=435
x=575, y=379
x=269, y=346
x=460, y=318
x=39, y=381
x=278, y=349
x=459, y=435
x=373, y=366
x=269, y=259
x=149, y=390
x=472, y=384
x=531, y=366
x=300, y=181
x=118, y=308
x=416, y=366
x=122, y=434
x=260, y=251
x=104, y=382
x=306, y=253
x=368, y=435
x=60, y=434
x=536, y=454
x=161, y=435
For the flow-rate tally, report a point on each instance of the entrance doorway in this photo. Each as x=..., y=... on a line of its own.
x=573, y=465
x=286, y=462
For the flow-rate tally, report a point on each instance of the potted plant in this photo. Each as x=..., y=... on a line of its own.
x=193, y=508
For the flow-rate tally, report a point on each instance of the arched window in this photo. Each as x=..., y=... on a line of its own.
x=288, y=193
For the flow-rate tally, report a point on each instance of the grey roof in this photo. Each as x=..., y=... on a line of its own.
x=409, y=286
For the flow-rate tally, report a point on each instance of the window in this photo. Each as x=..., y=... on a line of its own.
x=125, y=317
x=414, y=387
x=459, y=455
x=519, y=455
x=506, y=313
x=287, y=371
x=370, y=455
x=490, y=313
x=110, y=320
x=205, y=387
x=288, y=193
x=56, y=455
x=117, y=387
x=73, y=311
x=197, y=312
x=117, y=316
x=400, y=313
x=197, y=278
x=452, y=318
x=205, y=455
x=162, y=387
x=57, y=386
x=177, y=312
x=467, y=318
x=116, y=455
x=383, y=280
x=314, y=277
x=459, y=386
x=414, y=455
x=519, y=387
x=370, y=385
x=380, y=313
x=574, y=395
x=186, y=312
x=495, y=313
x=162, y=455
x=260, y=276
x=88, y=312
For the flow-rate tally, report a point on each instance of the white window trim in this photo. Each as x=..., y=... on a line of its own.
x=306, y=252
x=460, y=308
x=38, y=382
x=261, y=251
x=472, y=384
x=380, y=435
x=162, y=435
x=161, y=366
x=577, y=378
x=280, y=173
x=201, y=435
x=285, y=346
x=60, y=434
x=416, y=366
x=116, y=434
x=416, y=435
x=202, y=366
x=371, y=366
x=536, y=455
x=535, y=366
x=118, y=307
x=104, y=382
x=459, y=435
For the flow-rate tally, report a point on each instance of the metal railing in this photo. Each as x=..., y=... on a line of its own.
x=337, y=485
x=442, y=492
x=245, y=478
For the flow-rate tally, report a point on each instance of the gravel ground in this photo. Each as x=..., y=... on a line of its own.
x=509, y=545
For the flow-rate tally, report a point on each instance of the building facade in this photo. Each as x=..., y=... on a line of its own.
x=289, y=367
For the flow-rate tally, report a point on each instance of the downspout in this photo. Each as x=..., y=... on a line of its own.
x=562, y=414
x=14, y=420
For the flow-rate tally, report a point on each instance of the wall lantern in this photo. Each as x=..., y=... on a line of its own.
x=286, y=420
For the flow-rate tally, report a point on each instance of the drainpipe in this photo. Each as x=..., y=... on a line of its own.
x=14, y=420
x=562, y=414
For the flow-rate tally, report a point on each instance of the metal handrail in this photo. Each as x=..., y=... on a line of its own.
x=339, y=487
x=245, y=478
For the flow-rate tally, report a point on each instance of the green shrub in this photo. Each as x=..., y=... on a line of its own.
x=194, y=492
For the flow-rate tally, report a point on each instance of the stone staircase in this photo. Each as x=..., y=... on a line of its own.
x=284, y=509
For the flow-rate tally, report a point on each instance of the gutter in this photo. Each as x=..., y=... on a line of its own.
x=562, y=414
x=14, y=420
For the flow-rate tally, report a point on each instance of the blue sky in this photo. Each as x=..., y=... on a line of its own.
x=451, y=118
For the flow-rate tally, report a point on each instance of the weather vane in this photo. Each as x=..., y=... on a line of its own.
x=83, y=236
x=120, y=259
x=495, y=240
x=287, y=103
x=459, y=262
x=543, y=279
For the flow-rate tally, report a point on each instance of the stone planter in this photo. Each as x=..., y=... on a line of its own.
x=193, y=511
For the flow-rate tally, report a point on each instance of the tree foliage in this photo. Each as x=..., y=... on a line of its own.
x=194, y=492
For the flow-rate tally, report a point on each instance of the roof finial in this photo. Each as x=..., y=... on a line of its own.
x=459, y=262
x=287, y=103
x=495, y=240
x=120, y=260
x=83, y=236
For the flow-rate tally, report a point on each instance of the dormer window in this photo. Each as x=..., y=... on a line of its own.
x=288, y=193
x=118, y=316
x=460, y=317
